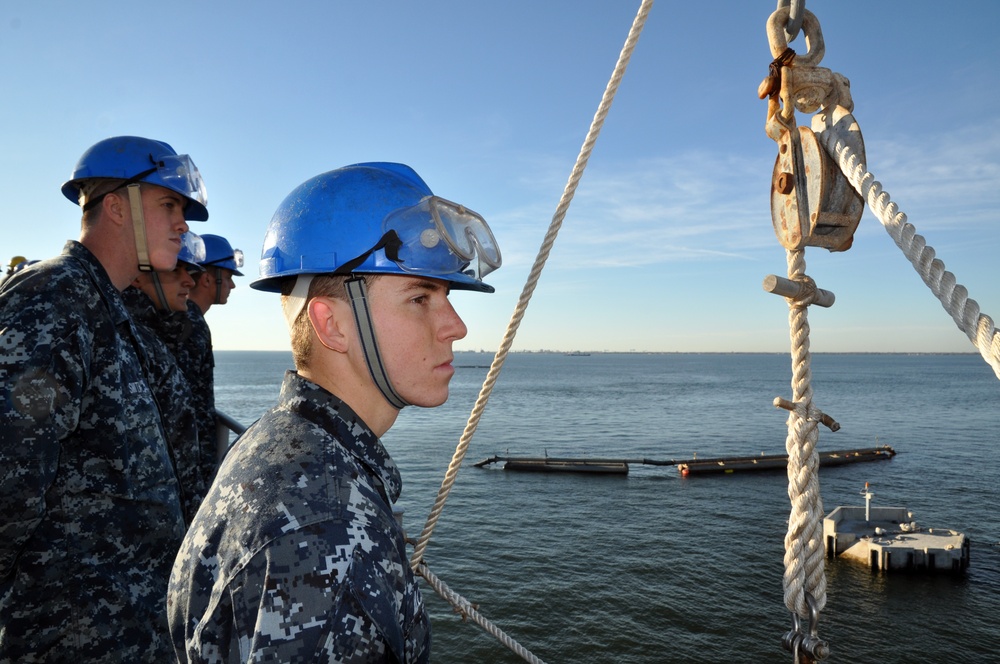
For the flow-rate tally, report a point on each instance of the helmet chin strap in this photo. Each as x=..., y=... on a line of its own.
x=358, y=294
x=218, y=285
x=139, y=228
x=164, y=305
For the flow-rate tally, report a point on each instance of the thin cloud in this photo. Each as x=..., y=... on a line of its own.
x=654, y=211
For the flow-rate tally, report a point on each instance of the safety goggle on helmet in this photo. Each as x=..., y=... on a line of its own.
x=376, y=218
x=135, y=159
x=178, y=172
x=438, y=237
x=192, y=252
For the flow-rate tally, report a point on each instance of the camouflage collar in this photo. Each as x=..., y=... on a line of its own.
x=99, y=276
x=327, y=411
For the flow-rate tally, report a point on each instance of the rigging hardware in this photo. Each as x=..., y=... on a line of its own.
x=812, y=202
x=806, y=647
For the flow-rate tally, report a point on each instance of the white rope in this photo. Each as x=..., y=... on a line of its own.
x=954, y=297
x=466, y=610
x=416, y=561
x=533, y=276
x=804, y=553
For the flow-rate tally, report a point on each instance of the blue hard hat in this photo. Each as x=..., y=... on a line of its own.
x=192, y=252
x=219, y=253
x=137, y=159
x=375, y=218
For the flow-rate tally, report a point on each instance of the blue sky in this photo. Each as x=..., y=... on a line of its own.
x=669, y=236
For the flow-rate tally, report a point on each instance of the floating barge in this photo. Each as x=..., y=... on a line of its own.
x=780, y=461
x=553, y=465
x=549, y=464
x=887, y=538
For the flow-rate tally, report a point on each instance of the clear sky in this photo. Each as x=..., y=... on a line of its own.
x=669, y=236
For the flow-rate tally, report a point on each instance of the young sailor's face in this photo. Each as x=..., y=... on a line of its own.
x=416, y=326
x=176, y=285
x=163, y=211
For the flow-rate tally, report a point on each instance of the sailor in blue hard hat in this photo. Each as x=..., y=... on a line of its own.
x=153, y=187
x=195, y=354
x=371, y=219
x=169, y=289
x=93, y=517
x=365, y=258
x=221, y=263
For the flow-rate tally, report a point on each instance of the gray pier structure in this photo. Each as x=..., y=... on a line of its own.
x=887, y=538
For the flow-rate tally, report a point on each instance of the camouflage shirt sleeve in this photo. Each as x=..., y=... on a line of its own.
x=295, y=554
x=43, y=368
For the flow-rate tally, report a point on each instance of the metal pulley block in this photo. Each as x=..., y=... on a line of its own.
x=812, y=202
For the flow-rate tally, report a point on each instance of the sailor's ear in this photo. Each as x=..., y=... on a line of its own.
x=115, y=204
x=330, y=319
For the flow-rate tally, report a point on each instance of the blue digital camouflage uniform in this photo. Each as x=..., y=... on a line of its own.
x=295, y=554
x=192, y=346
x=89, y=510
x=173, y=396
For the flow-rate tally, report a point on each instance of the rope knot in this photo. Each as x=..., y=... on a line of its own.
x=808, y=294
x=770, y=87
x=807, y=412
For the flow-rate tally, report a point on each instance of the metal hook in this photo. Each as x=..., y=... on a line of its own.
x=807, y=648
x=778, y=40
x=795, y=15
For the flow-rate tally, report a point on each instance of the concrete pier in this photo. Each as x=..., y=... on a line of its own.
x=887, y=538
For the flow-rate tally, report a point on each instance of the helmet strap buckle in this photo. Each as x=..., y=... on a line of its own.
x=139, y=228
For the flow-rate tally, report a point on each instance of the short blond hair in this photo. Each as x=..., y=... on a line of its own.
x=301, y=331
x=94, y=189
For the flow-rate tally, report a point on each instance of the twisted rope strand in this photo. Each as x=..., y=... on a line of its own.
x=463, y=607
x=804, y=555
x=529, y=287
x=416, y=562
x=954, y=297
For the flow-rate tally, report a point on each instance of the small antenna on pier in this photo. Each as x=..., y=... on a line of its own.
x=868, y=502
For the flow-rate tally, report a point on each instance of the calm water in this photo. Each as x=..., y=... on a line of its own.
x=653, y=567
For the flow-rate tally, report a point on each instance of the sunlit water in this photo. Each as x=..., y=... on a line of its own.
x=653, y=567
